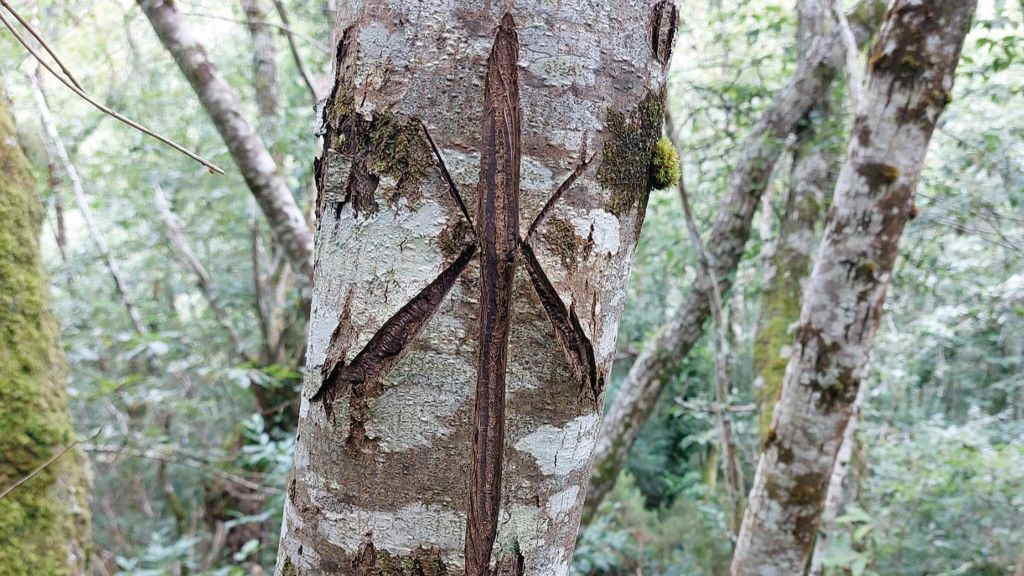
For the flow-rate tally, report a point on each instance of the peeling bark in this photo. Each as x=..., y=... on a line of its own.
x=650, y=371
x=428, y=353
x=246, y=147
x=910, y=77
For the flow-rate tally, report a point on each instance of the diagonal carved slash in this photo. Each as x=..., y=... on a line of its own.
x=499, y=245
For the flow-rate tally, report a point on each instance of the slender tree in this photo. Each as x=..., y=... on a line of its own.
x=482, y=184
x=911, y=72
x=246, y=147
x=44, y=484
x=787, y=262
x=761, y=150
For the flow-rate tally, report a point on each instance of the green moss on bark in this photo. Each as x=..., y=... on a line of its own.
x=44, y=522
x=628, y=153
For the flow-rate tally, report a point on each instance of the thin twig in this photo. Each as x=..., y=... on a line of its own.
x=42, y=43
x=282, y=13
x=734, y=480
x=46, y=464
x=81, y=94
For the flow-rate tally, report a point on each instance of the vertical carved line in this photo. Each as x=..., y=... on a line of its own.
x=498, y=226
x=664, y=21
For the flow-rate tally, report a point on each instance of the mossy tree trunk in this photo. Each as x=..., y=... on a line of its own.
x=911, y=73
x=787, y=262
x=44, y=522
x=482, y=185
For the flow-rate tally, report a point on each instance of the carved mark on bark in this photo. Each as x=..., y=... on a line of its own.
x=577, y=347
x=497, y=239
x=363, y=377
x=498, y=211
x=663, y=30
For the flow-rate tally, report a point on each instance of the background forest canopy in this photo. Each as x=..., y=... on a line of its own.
x=183, y=375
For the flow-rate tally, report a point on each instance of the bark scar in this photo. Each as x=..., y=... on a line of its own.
x=579, y=352
x=363, y=377
x=498, y=234
x=664, y=21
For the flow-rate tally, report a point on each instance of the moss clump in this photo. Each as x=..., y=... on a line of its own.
x=665, y=167
x=628, y=150
x=879, y=175
x=38, y=530
x=399, y=149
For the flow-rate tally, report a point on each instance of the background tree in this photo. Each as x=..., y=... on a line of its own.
x=910, y=80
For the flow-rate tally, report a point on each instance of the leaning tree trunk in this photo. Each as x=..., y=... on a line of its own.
x=638, y=394
x=246, y=147
x=788, y=261
x=482, y=185
x=911, y=73
x=44, y=521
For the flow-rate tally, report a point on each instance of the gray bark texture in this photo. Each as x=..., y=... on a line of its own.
x=760, y=151
x=246, y=147
x=910, y=77
x=482, y=184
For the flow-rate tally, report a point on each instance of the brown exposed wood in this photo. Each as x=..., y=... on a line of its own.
x=363, y=375
x=579, y=352
x=663, y=30
x=498, y=210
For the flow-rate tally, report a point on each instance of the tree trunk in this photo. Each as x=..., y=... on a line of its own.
x=910, y=77
x=246, y=147
x=264, y=66
x=639, y=393
x=479, y=205
x=839, y=488
x=44, y=522
x=788, y=260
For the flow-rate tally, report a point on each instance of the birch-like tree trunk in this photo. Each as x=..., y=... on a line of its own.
x=911, y=72
x=246, y=147
x=481, y=189
x=760, y=151
x=44, y=520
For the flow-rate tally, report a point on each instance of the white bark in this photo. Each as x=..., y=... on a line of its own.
x=382, y=482
x=837, y=496
x=247, y=148
x=909, y=82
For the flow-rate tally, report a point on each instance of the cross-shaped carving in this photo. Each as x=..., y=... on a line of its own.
x=496, y=239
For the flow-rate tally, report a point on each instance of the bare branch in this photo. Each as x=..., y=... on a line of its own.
x=42, y=43
x=82, y=202
x=733, y=475
x=282, y=13
x=72, y=85
x=46, y=464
